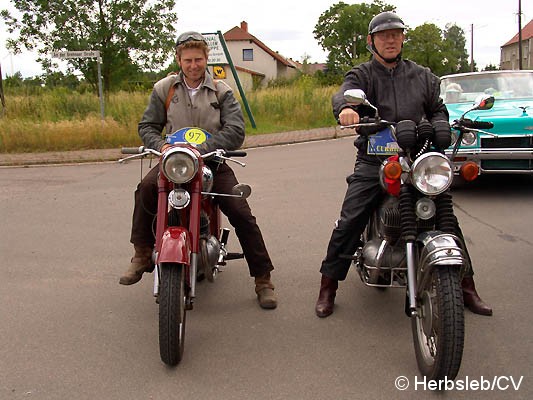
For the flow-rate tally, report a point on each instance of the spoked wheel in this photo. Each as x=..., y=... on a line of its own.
x=172, y=313
x=438, y=330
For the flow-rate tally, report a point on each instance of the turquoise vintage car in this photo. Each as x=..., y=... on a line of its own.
x=507, y=148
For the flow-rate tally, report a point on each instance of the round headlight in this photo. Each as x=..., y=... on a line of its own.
x=432, y=173
x=469, y=138
x=180, y=165
x=455, y=136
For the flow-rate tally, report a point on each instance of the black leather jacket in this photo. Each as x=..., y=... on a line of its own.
x=407, y=91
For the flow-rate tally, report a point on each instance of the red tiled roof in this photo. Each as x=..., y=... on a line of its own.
x=238, y=34
x=527, y=33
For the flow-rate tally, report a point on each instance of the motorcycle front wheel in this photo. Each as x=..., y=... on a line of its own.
x=172, y=299
x=438, y=329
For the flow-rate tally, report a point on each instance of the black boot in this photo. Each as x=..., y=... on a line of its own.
x=472, y=300
x=326, y=297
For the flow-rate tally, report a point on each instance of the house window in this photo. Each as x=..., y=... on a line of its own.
x=247, y=54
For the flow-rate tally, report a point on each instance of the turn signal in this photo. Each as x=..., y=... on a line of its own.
x=469, y=171
x=392, y=170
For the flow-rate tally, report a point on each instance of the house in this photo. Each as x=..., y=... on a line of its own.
x=509, y=51
x=256, y=64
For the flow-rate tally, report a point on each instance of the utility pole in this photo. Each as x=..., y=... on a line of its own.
x=471, y=47
x=519, y=34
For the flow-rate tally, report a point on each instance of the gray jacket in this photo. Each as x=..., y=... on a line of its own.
x=214, y=108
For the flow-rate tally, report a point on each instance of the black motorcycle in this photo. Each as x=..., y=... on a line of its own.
x=411, y=239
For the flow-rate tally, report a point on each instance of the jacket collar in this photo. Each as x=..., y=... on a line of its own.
x=208, y=81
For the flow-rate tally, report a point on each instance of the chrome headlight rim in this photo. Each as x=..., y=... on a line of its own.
x=207, y=179
x=183, y=155
x=419, y=177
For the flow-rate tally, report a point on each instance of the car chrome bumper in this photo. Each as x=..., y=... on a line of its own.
x=520, y=160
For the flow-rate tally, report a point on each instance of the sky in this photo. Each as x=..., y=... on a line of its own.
x=287, y=26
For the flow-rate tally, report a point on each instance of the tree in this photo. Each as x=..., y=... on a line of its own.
x=455, y=50
x=491, y=67
x=424, y=45
x=131, y=35
x=342, y=31
x=444, y=52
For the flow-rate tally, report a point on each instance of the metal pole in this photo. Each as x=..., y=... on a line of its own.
x=519, y=34
x=100, y=91
x=237, y=81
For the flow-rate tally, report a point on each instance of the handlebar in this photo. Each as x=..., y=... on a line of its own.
x=370, y=122
x=468, y=123
x=132, y=150
x=236, y=153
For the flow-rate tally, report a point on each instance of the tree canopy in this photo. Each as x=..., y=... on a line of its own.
x=443, y=51
x=342, y=31
x=131, y=35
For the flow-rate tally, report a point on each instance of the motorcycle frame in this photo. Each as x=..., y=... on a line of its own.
x=180, y=244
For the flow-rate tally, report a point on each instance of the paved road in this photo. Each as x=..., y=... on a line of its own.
x=69, y=331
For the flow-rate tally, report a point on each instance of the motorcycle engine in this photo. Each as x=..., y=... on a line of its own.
x=389, y=222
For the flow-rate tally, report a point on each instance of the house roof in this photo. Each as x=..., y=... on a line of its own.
x=527, y=33
x=238, y=34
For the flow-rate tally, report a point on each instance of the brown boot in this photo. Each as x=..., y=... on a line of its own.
x=472, y=300
x=326, y=297
x=265, y=292
x=140, y=263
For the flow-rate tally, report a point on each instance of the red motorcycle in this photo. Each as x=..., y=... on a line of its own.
x=190, y=241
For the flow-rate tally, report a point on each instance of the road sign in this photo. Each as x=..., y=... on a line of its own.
x=76, y=54
x=64, y=55
x=216, y=51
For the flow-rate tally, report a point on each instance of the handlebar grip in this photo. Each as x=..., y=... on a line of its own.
x=483, y=125
x=468, y=123
x=235, y=153
x=368, y=120
x=132, y=150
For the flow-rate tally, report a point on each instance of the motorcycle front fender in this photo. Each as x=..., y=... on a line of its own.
x=438, y=249
x=175, y=246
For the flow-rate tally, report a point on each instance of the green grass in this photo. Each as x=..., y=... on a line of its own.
x=60, y=119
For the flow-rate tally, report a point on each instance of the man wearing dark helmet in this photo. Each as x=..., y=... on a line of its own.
x=401, y=90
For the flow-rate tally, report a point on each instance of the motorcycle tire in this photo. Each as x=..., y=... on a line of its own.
x=438, y=329
x=172, y=312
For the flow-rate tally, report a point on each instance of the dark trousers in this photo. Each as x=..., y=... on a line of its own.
x=237, y=210
x=362, y=196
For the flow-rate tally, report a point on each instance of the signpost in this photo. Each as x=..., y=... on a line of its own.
x=65, y=55
x=218, y=55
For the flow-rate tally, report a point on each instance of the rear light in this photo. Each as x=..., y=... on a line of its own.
x=469, y=171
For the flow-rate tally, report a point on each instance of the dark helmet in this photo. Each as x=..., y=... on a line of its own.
x=385, y=20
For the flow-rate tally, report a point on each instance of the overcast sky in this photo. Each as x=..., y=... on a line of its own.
x=286, y=26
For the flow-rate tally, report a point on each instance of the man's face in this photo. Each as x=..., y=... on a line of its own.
x=388, y=42
x=193, y=64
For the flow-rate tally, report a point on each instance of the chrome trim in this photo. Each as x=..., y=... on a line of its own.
x=496, y=154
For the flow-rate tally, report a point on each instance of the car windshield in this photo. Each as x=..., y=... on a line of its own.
x=501, y=85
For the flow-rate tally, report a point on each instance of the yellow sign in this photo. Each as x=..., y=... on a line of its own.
x=219, y=72
x=195, y=136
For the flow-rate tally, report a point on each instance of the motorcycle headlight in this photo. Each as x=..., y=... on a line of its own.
x=432, y=173
x=180, y=165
